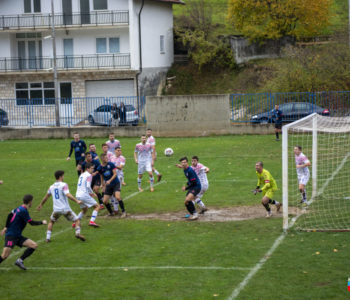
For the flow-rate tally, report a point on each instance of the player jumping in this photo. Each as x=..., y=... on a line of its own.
x=268, y=187
x=15, y=224
x=302, y=163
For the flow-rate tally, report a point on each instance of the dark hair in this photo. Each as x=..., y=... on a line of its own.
x=299, y=147
x=183, y=158
x=117, y=148
x=27, y=198
x=143, y=135
x=103, y=155
x=58, y=174
x=87, y=153
x=260, y=163
x=112, y=133
x=91, y=144
x=104, y=144
x=195, y=157
x=149, y=129
x=88, y=165
x=75, y=133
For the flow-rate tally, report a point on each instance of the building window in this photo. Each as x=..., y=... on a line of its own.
x=100, y=4
x=35, y=93
x=32, y=6
x=112, y=44
x=162, y=45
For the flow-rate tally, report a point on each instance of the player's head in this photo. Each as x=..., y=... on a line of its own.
x=149, y=132
x=88, y=157
x=111, y=136
x=143, y=139
x=59, y=175
x=297, y=150
x=104, y=158
x=92, y=147
x=184, y=162
x=76, y=136
x=104, y=148
x=89, y=167
x=259, y=166
x=118, y=151
x=195, y=160
x=27, y=200
x=276, y=106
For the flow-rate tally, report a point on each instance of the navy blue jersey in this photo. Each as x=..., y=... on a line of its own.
x=95, y=162
x=79, y=149
x=94, y=155
x=193, y=180
x=107, y=172
x=277, y=115
x=18, y=222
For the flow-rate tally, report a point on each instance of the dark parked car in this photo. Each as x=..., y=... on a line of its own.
x=102, y=115
x=4, y=121
x=290, y=112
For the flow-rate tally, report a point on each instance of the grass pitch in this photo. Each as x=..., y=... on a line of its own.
x=133, y=259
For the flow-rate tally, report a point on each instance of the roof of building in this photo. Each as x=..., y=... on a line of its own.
x=172, y=1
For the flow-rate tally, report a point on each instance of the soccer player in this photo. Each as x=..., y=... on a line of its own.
x=1, y=182
x=112, y=143
x=201, y=172
x=110, y=184
x=110, y=155
x=15, y=224
x=119, y=161
x=268, y=187
x=92, y=150
x=79, y=148
x=144, y=157
x=193, y=188
x=85, y=193
x=152, y=141
x=302, y=163
x=60, y=195
x=277, y=113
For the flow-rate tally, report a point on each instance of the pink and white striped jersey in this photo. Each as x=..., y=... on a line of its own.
x=119, y=162
x=300, y=160
x=84, y=185
x=151, y=140
x=144, y=152
x=58, y=191
x=200, y=171
x=110, y=156
x=112, y=145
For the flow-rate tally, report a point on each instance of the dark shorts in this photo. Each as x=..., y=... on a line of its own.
x=194, y=190
x=96, y=180
x=11, y=241
x=79, y=161
x=278, y=125
x=111, y=189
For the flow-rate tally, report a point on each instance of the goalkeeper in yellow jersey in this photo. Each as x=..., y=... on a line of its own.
x=266, y=185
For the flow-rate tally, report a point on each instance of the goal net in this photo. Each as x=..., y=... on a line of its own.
x=325, y=143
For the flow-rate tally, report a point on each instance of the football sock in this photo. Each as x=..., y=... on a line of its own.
x=28, y=252
x=1, y=259
x=200, y=202
x=151, y=180
x=190, y=207
x=99, y=196
x=267, y=207
x=115, y=204
x=93, y=216
x=277, y=135
x=77, y=230
x=121, y=204
x=81, y=215
x=109, y=208
x=156, y=172
x=48, y=235
x=304, y=195
x=273, y=201
x=139, y=180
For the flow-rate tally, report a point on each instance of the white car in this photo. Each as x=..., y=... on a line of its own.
x=102, y=116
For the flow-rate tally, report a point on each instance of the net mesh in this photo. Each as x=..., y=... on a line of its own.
x=328, y=194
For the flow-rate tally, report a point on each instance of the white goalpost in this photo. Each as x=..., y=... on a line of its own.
x=325, y=141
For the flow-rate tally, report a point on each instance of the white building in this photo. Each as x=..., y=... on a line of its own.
x=102, y=49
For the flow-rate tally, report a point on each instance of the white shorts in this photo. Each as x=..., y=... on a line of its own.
x=303, y=179
x=144, y=167
x=69, y=215
x=88, y=201
x=203, y=190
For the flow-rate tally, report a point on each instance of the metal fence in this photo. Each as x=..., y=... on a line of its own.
x=43, y=20
x=97, y=111
x=257, y=108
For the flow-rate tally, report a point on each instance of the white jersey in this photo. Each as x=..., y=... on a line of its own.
x=151, y=140
x=119, y=162
x=200, y=171
x=144, y=153
x=300, y=160
x=59, y=191
x=112, y=145
x=84, y=185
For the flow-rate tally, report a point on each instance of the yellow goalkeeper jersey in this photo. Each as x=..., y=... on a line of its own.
x=266, y=181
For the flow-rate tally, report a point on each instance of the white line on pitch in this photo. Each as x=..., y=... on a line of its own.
x=280, y=239
x=126, y=268
x=138, y=192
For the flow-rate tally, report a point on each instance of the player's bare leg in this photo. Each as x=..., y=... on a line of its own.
x=77, y=231
x=139, y=181
x=151, y=181
x=266, y=201
x=302, y=191
x=189, y=203
x=121, y=204
x=5, y=253
x=96, y=190
x=49, y=231
x=31, y=246
x=159, y=175
x=108, y=205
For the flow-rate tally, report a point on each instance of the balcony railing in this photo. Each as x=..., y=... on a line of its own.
x=94, y=61
x=43, y=21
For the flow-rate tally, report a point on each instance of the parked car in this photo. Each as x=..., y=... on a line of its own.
x=290, y=112
x=4, y=121
x=102, y=115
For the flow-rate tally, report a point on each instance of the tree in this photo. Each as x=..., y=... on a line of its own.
x=272, y=19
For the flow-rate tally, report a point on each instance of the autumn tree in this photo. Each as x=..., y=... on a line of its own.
x=273, y=19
